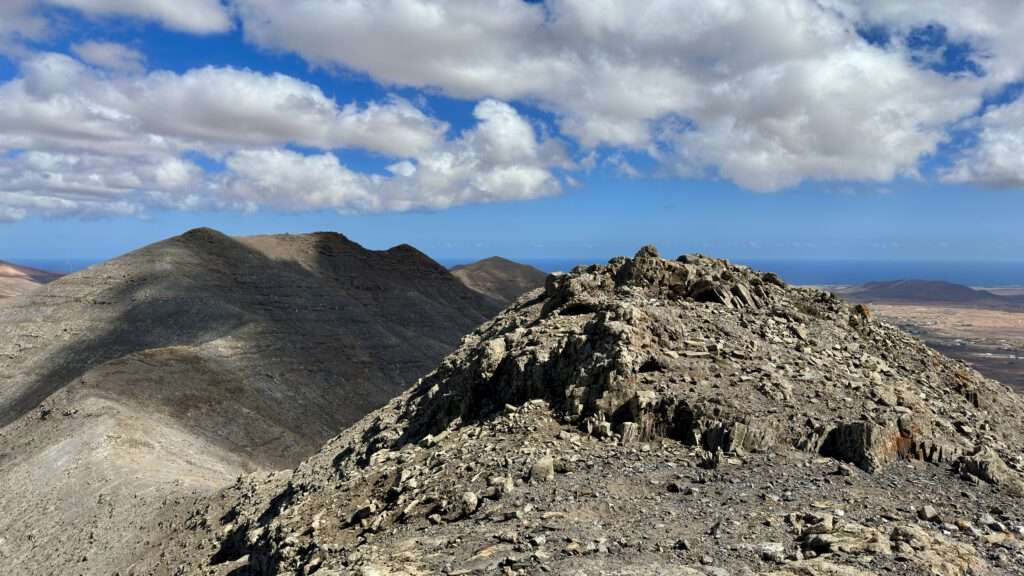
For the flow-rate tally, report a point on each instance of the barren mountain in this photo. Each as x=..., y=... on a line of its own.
x=929, y=292
x=171, y=370
x=18, y=280
x=649, y=417
x=500, y=279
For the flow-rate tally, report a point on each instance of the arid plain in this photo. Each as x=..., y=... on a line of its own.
x=992, y=341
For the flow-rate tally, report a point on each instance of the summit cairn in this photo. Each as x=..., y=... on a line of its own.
x=654, y=416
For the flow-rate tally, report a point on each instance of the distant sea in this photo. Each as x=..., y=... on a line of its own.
x=53, y=265
x=821, y=272
x=818, y=272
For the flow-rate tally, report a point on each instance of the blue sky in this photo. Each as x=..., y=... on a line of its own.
x=869, y=130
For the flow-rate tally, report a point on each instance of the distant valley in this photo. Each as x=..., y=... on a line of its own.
x=932, y=292
x=983, y=327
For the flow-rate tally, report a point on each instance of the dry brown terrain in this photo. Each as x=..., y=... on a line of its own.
x=499, y=279
x=991, y=341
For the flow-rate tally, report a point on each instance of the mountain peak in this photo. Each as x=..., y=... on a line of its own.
x=500, y=279
x=204, y=234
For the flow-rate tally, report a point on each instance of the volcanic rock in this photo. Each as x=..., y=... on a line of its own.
x=698, y=362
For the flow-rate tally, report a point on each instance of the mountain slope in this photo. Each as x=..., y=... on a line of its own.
x=500, y=279
x=17, y=280
x=650, y=417
x=170, y=370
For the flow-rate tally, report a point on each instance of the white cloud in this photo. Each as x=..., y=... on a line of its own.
x=992, y=27
x=765, y=93
x=110, y=55
x=859, y=116
x=60, y=184
x=194, y=16
x=500, y=159
x=18, y=22
x=74, y=140
x=59, y=103
x=997, y=159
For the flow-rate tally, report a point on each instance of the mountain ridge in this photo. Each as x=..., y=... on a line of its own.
x=167, y=372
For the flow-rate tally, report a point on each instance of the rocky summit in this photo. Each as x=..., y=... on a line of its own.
x=649, y=416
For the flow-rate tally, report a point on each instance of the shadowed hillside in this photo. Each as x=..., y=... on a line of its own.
x=172, y=369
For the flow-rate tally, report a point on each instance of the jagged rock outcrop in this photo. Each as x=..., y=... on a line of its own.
x=649, y=414
x=759, y=365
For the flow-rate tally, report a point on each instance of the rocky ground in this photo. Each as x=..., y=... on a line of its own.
x=648, y=417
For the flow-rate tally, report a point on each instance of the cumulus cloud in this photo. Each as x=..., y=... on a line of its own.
x=767, y=94
x=110, y=55
x=997, y=159
x=499, y=159
x=194, y=16
x=75, y=140
x=992, y=28
x=60, y=103
x=60, y=184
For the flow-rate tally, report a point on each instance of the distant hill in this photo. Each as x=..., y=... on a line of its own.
x=928, y=292
x=500, y=279
x=17, y=280
x=169, y=371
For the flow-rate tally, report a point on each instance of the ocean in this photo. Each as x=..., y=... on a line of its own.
x=805, y=272
x=840, y=272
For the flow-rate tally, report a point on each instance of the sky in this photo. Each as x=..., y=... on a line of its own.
x=749, y=129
